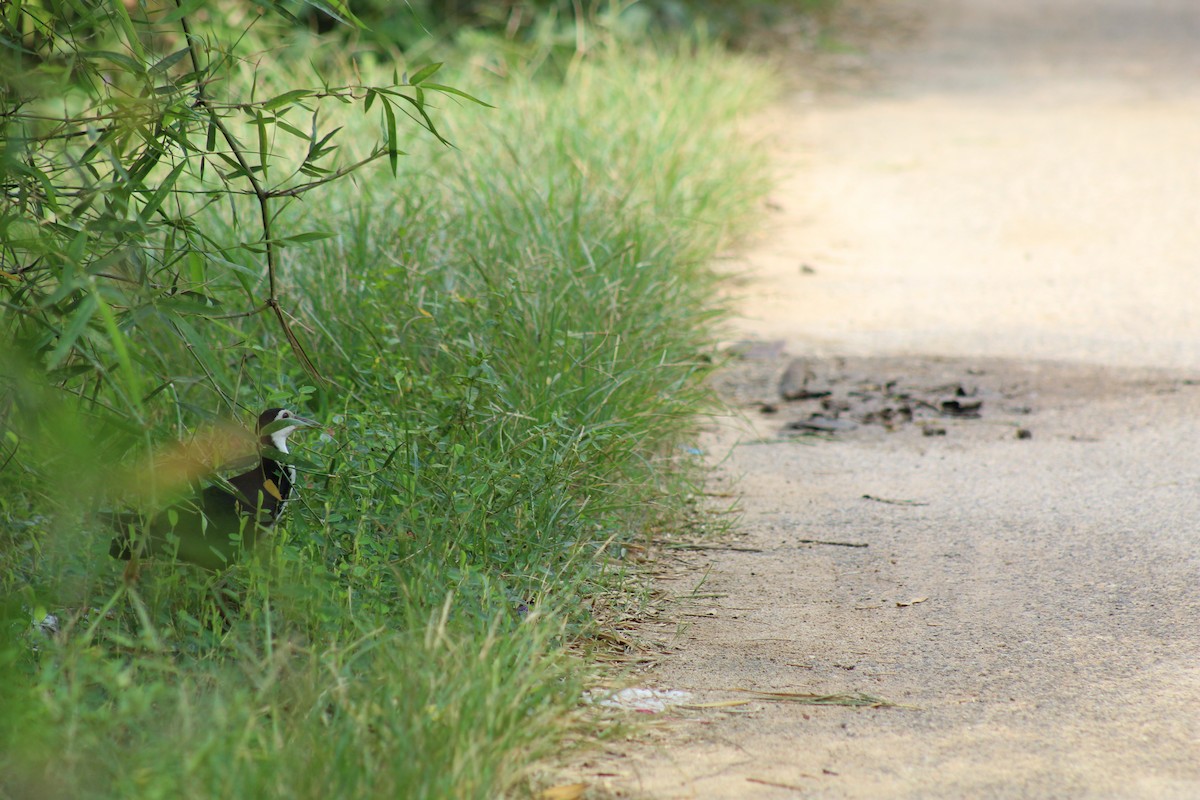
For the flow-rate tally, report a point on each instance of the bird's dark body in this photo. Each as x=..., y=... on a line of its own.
x=212, y=528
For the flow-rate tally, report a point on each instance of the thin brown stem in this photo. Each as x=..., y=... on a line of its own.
x=261, y=194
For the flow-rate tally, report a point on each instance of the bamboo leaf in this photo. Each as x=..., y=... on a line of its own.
x=290, y=128
x=192, y=303
x=425, y=119
x=339, y=10
x=287, y=98
x=439, y=87
x=49, y=194
x=317, y=149
x=393, y=145
x=119, y=342
x=297, y=348
x=307, y=236
x=74, y=329
x=169, y=61
x=260, y=123
x=131, y=37
x=423, y=73
x=160, y=194
x=77, y=249
x=120, y=59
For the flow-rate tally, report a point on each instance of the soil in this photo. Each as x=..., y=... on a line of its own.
x=972, y=528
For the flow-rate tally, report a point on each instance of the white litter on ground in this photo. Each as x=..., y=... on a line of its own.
x=651, y=701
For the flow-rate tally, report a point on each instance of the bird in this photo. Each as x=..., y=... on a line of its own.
x=225, y=518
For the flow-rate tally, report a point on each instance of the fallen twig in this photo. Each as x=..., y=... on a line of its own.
x=777, y=785
x=893, y=502
x=731, y=547
x=833, y=544
x=851, y=700
x=718, y=704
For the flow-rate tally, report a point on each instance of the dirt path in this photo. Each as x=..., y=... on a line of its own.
x=1009, y=215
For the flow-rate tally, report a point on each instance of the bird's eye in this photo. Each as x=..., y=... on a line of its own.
x=285, y=414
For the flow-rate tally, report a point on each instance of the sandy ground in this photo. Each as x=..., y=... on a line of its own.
x=1007, y=213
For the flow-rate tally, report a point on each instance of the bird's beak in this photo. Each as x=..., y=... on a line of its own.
x=304, y=422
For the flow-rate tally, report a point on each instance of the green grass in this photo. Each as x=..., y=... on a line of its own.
x=515, y=332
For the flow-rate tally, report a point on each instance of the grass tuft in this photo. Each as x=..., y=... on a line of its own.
x=515, y=332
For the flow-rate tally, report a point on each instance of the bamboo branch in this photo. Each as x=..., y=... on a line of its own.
x=262, y=195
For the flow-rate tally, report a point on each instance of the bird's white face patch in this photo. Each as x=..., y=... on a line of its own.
x=279, y=437
x=279, y=442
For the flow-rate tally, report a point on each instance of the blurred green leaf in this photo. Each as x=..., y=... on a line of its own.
x=77, y=323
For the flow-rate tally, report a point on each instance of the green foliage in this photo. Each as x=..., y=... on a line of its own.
x=422, y=714
x=120, y=134
x=512, y=335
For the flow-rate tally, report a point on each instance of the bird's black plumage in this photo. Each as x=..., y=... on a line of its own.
x=211, y=529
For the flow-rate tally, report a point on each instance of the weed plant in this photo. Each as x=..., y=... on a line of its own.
x=513, y=334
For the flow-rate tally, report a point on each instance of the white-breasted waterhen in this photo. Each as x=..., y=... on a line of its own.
x=211, y=529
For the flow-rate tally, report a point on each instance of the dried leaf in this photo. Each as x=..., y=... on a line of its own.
x=566, y=791
x=272, y=489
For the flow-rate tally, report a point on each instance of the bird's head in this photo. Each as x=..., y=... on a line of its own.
x=276, y=424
